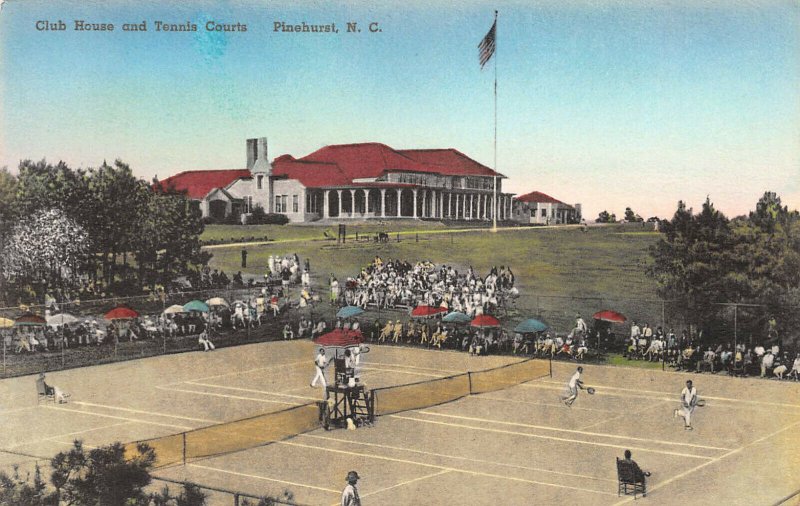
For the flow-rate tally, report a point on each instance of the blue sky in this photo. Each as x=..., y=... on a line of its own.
x=607, y=103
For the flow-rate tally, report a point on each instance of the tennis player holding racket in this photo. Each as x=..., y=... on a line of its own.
x=571, y=392
x=688, y=403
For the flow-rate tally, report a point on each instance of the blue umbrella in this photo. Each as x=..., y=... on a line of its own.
x=349, y=312
x=196, y=305
x=530, y=326
x=456, y=317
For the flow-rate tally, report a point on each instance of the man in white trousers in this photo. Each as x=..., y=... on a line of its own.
x=319, y=364
x=688, y=403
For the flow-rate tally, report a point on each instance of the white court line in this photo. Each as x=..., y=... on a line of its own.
x=628, y=413
x=234, y=373
x=712, y=461
x=244, y=475
x=130, y=410
x=44, y=440
x=239, y=397
x=551, y=438
x=404, y=483
x=724, y=399
x=453, y=371
x=90, y=413
x=252, y=390
x=368, y=368
x=478, y=461
x=443, y=468
x=561, y=405
x=572, y=431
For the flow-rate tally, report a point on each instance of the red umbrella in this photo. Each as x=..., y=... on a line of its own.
x=424, y=311
x=121, y=313
x=485, y=320
x=341, y=338
x=609, y=316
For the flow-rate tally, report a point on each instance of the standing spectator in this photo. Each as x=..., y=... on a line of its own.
x=244, y=258
x=334, y=290
x=350, y=495
x=767, y=362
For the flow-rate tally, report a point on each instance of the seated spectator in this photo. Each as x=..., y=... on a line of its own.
x=795, y=372
x=779, y=369
x=204, y=341
x=287, y=332
x=53, y=390
x=638, y=474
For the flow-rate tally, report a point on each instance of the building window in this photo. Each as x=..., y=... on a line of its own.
x=295, y=204
x=259, y=182
x=544, y=213
x=280, y=204
x=248, y=204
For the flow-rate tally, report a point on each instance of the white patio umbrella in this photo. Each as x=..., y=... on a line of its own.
x=60, y=319
x=177, y=308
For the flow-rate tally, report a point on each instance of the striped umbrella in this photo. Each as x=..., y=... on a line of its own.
x=30, y=320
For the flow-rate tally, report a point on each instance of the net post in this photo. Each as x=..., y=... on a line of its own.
x=235, y=499
x=469, y=378
x=550, y=360
x=183, y=434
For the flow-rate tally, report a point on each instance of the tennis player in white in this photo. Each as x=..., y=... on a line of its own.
x=688, y=403
x=572, y=388
x=319, y=364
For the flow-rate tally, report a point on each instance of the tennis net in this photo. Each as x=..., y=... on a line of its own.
x=233, y=436
x=425, y=394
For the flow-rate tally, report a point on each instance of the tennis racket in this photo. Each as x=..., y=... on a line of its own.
x=591, y=390
x=700, y=403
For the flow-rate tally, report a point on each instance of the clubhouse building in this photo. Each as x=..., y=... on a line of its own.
x=537, y=208
x=350, y=181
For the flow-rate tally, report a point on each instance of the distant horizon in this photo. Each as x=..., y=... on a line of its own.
x=609, y=104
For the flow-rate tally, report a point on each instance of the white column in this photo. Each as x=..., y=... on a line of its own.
x=383, y=202
x=449, y=204
x=399, y=193
x=325, y=204
x=339, y=192
x=352, y=203
x=424, y=199
x=415, y=203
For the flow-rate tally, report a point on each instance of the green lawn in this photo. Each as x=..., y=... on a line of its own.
x=559, y=271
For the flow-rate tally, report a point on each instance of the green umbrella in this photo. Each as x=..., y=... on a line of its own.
x=196, y=305
x=530, y=326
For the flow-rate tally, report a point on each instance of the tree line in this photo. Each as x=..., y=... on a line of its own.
x=704, y=258
x=97, y=231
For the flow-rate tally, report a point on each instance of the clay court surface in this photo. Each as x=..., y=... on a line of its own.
x=514, y=446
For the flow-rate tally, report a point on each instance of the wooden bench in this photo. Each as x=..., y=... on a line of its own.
x=627, y=480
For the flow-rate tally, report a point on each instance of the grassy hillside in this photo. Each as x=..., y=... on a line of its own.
x=559, y=271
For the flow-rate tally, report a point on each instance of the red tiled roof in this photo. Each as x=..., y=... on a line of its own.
x=310, y=174
x=451, y=162
x=197, y=183
x=539, y=197
x=366, y=160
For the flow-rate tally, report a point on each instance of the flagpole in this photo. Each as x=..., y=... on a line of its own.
x=494, y=201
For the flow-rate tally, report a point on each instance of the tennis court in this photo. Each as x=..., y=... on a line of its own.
x=517, y=445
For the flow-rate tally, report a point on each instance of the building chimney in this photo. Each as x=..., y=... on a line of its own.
x=256, y=150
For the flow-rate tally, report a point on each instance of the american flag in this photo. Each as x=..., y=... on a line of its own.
x=486, y=47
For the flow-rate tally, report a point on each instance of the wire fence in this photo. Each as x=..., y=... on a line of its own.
x=733, y=323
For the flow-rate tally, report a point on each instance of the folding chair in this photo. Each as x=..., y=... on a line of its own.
x=627, y=483
x=42, y=393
